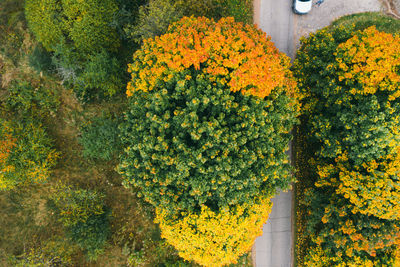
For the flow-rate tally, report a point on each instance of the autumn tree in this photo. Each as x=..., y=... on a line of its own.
x=355, y=116
x=349, y=81
x=211, y=109
x=212, y=105
x=345, y=237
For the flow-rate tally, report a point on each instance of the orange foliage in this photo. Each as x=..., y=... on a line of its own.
x=7, y=143
x=215, y=239
x=225, y=52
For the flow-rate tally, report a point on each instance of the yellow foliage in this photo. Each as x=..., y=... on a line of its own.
x=371, y=59
x=215, y=238
x=372, y=188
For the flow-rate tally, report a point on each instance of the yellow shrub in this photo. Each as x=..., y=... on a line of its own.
x=215, y=238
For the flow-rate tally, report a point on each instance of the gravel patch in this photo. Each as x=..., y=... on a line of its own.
x=328, y=11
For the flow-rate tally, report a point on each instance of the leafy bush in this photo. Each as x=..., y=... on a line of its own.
x=26, y=154
x=154, y=19
x=85, y=217
x=54, y=252
x=241, y=10
x=349, y=81
x=215, y=239
x=100, y=138
x=67, y=62
x=40, y=60
x=29, y=99
x=202, y=129
x=92, y=234
x=12, y=28
x=83, y=40
x=201, y=8
x=101, y=76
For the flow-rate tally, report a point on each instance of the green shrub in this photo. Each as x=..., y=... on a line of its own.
x=26, y=154
x=92, y=234
x=40, y=60
x=154, y=19
x=67, y=62
x=100, y=138
x=86, y=24
x=29, y=100
x=53, y=252
x=101, y=76
x=85, y=217
x=201, y=8
x=241, y=10
x=83, y=39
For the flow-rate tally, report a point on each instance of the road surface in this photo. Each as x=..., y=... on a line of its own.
x=274, y=247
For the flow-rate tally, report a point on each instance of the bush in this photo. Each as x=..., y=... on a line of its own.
x=29, y=100
x=241, y=10
x=26, y=154
x=83, y=39
x=53, y=252
x=202, y=129
x=102, y=76
x=85, y=217
x=154, y=20
x=100, y=138
x=213, y=9
x=92, y=234
x=215, y=239
x=40, y=60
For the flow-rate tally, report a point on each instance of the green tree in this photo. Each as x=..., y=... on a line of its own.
x=86, y=24
x=154, y=19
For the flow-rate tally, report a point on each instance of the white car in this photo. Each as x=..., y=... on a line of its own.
x=302, y=6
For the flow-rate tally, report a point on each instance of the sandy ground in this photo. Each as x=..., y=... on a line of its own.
x=327, y=12
x=397, y=4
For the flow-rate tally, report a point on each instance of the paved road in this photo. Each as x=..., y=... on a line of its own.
x=274, y=247
x=276, y=19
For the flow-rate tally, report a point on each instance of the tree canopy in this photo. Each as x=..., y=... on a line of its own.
x=349, y=81
x=204, y=130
